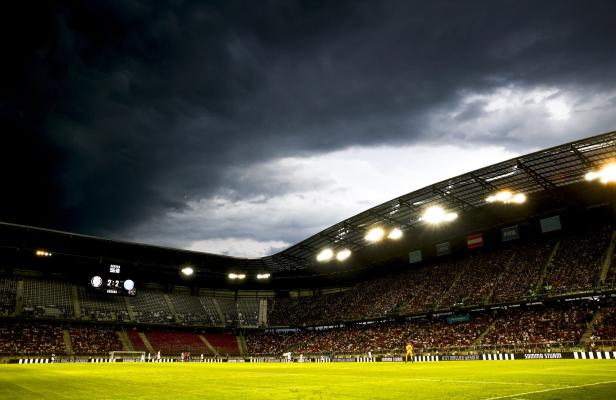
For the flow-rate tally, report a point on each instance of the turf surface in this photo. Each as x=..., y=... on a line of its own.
x=533, y=379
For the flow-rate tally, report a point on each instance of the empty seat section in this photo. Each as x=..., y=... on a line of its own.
x=102, y=307
x=7, y=296
x=223, y=343
x=151, y=307
x=189, y=310
x=47, y=299
x=248, y=311
x=135, y=339
x=174, y=343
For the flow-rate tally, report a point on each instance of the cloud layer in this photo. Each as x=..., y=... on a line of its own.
x=245, y=127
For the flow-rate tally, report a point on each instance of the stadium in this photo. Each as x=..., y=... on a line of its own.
x=308, y=199
x=503, y=279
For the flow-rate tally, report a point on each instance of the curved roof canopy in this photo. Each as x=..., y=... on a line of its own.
x=545, y=170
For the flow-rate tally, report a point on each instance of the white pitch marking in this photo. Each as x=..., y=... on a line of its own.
x=550, y=390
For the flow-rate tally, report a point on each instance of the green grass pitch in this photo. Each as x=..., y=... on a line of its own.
x=533, y=379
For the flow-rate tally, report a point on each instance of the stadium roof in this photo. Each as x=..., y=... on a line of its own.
x=545, y=170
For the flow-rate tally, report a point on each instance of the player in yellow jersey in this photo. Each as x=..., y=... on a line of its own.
x=409, y=351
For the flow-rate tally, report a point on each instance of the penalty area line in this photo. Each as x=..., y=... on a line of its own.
x=550, y=390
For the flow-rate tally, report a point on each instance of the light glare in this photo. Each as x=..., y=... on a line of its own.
x=188, y=271
x=436, y=215
x=263, y=276
x=325, y=255
x=506, y=197
x=343, y=254
x=395, y=234
x=606, y=174
x=375, y=234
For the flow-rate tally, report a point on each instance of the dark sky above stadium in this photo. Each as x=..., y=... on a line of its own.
x=242, y=127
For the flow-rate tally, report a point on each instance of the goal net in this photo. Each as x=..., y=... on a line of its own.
x=130, y=356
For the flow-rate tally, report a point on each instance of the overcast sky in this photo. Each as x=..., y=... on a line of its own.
x=244, y=127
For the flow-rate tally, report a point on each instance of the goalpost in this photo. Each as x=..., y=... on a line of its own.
x=127, y=356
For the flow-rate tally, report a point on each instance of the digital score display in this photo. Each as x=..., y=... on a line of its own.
x=112, y=281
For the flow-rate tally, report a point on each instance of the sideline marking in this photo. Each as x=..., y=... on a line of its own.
x=550, y=390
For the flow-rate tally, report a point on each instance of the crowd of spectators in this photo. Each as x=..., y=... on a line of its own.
x=470, y=290
x=577, y=263
x=427, y=335
x=523, y=271
x=525, y=326
x=94, y=340
x=21, y=338
x=605, y=326
x=517, y=328
x=484, y=276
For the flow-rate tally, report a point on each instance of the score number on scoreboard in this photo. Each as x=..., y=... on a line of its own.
x=113, y=283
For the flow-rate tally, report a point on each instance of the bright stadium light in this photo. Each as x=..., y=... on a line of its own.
x=395, y=234
x=129, y=284
x=325, y=255
x=507, y=197
x=436, y=215
x=263, y=276
x=188, y=271
x=343, y=254
x=606, y=174
x=42, y=253
x=375, y=235
x=241, y=276
x=232, y=275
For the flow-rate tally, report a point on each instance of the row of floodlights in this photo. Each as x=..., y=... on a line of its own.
x=374, y=235
x=605, y=175
x=42, y=253
x=188, y=271
x=235, y=276
x=433, y=215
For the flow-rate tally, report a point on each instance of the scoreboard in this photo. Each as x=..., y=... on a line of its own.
x=113, y=281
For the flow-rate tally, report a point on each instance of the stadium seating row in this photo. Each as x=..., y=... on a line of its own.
x=549, y=266
x=39, y=338
x=513, y=329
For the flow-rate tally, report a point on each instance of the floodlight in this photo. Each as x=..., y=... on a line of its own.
x=506, y=197
x=42, y=253
x=188, y=271
x=375, y=234
x=241, y=276
x=263, y=276
x=606, y=174
x=395, y=234
x=436, y=215
x=343, y=254
x=519, y=198
x=325, y=255
x=232, y=276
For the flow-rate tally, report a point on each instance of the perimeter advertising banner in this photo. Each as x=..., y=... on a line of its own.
x=550, y=224
x=442, y=249
x=415, y=256
x=510, y=233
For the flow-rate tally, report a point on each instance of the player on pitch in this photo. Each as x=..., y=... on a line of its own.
x=409, y=351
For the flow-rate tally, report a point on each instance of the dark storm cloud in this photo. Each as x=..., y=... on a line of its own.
x=115, y=112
